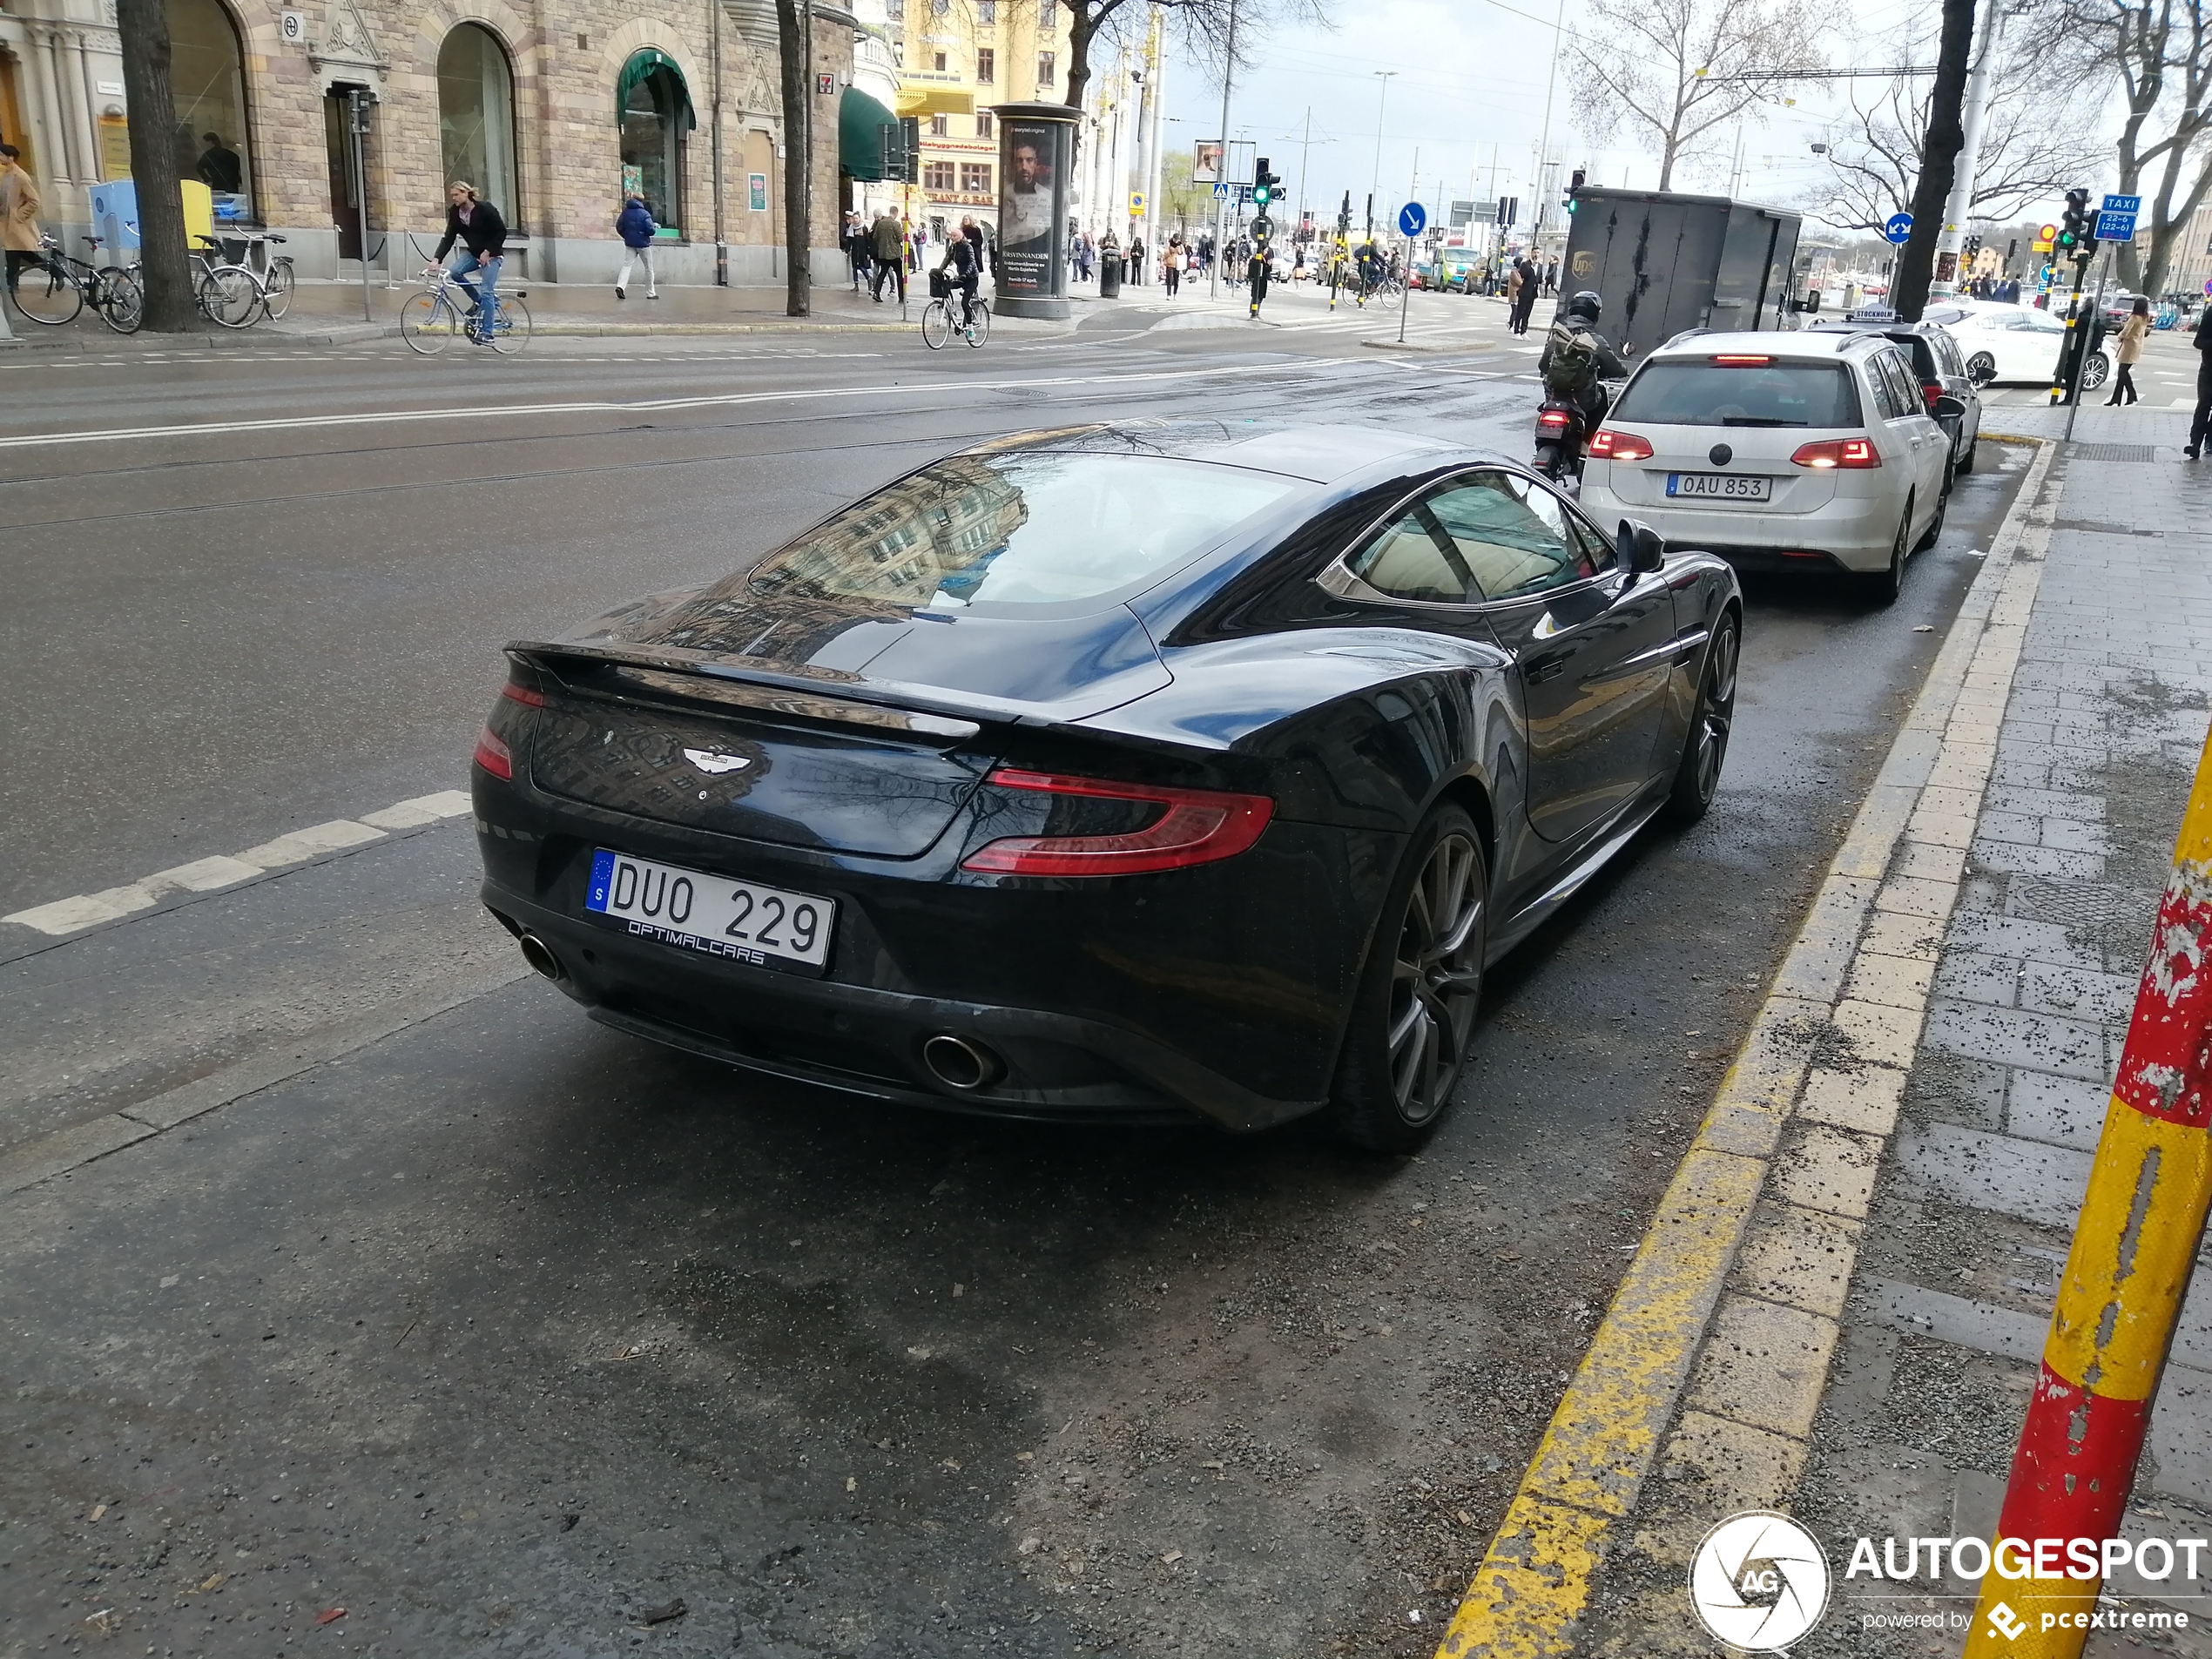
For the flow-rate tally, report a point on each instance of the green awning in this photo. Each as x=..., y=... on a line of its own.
x=641, y=65
x=860, y=121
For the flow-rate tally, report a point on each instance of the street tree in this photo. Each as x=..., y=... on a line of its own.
x=2160, y=51
x=1667, y=72
x=2027, y=158
x=1205, y=24
x=1942, y=139
x=144, y=26
x=794, y=37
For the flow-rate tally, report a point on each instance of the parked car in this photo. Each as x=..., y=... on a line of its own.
x=2015, y=345
x=1939, y=368
x=1111, y=772
x=1794, y=451
x=1454, y=270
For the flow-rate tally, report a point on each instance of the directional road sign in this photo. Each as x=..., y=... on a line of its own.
x=1899, y=229
x=1413, y=217
x=2116, y=218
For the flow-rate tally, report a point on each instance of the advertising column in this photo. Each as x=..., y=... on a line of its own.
x=1037, y=150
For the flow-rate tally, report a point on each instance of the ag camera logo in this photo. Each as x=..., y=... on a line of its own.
x=1759, y=1581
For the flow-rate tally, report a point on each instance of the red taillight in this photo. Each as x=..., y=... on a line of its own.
x=523, y=695
x=1855, y=453
x=1931, y=390
x=1553, y=417
x=1743, y=359
x=494, y=756
x=1610, y=445
x=1198, y=827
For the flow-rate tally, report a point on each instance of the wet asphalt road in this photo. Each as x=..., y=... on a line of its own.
x=503, y=1331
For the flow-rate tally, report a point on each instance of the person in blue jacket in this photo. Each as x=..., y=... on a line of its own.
x=634, y=223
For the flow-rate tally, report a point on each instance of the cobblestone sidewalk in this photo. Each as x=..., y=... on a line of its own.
x=1868, y=1369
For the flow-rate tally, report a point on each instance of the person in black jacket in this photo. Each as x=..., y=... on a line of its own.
x=2201, y=423
x=476, y=225
x=966, y=268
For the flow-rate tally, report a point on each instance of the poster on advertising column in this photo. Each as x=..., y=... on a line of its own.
x=1034, y=160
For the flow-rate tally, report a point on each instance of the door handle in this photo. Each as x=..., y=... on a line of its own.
x=1539, y=669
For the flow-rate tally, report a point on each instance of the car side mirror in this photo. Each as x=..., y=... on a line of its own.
x=1949, y=408
x=1810, y=303
x=1639, y=548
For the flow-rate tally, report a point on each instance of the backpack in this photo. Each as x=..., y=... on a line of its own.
x=1573, y=362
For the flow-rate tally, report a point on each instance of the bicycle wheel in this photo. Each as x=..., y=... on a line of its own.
x=45, y=294
x=123, y=302
x=980, y=323
x=511, y=330
x=279, y=290
x=229, y=296
x=427, y=322
x=936, y=325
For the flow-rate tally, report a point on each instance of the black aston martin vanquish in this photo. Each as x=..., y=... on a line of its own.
x=1118, y=772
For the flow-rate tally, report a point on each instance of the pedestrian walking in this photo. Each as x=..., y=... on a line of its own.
x=890, y=237
x=1524, y=305
x=1551, y=278
x=1136, y=260
x=1513, y=298
x=1171, y=266
x=2201, y=423
x=976, y=239
x=18, y=215
x=2130, y=352
x=636, y=228
x=860, y=250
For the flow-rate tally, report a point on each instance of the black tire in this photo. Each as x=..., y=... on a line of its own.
x=44, y=295
x=1883, y=586
x=1935, y=525
x=1697, y=777
x=1967, y=460
x=1981, y=369
x=1422, y=981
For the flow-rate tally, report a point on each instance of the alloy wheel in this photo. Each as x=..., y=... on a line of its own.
x=1715, y=711
x=1436, y=978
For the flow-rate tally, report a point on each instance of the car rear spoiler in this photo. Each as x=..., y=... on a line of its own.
x=804, y=694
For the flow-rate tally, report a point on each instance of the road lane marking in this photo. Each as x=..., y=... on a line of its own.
x=1537, y=1577
x=644, y=406
x=62, y=917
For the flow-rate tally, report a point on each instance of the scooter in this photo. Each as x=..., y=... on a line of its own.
x=1560, y=440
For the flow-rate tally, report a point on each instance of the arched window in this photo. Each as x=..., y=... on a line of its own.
x=476, y=117
x=207, y=73
x=654, y=111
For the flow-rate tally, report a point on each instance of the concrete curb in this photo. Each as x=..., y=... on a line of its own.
x=1728, y=1314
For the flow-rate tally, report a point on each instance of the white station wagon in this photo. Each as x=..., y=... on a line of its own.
x=1789, y=451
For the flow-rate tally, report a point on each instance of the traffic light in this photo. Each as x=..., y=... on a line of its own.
x=1574, y=188
x=1263, y=183
x=2073, y=237
x=1969, y=250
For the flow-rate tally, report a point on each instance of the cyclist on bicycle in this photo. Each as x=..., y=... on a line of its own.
x=1370, y=268
x=477, y=225
x=966, y=268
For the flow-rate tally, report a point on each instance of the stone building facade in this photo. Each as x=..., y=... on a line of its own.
x=551, y=108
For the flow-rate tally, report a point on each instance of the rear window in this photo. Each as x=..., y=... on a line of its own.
x=1690, y=392
x=1921, y=350
x=1030, y=528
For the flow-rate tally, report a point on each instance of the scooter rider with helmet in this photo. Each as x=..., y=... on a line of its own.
x=1577, y=359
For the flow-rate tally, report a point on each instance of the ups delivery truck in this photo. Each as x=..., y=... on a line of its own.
x=1665, y=262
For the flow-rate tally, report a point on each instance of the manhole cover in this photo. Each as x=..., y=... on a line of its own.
x=2070, y=904
x=2112, y=452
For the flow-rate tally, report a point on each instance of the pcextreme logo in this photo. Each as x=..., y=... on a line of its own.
x=1759, y=1581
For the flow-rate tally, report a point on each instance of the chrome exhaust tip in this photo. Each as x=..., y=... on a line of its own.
x=539, y=955
x=960, y=1063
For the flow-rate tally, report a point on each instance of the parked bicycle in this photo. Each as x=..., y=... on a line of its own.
x=235, y=294
x=54, y=292
x=441, y=313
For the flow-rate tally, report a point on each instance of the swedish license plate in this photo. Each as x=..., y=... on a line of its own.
x=1719, y=486
x=711, y=915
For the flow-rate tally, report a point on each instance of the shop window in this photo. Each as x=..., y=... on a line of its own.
x=1046, y=69
x=655, y=110
x=207, y=74
x=937, y=178
x=476, y=117
x=987, y=66
x=975, y=178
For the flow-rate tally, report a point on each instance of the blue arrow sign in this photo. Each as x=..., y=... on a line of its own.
x=1412, y=218
x=1897, y=229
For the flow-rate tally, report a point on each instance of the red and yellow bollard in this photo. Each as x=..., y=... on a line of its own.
x=2120, y=1296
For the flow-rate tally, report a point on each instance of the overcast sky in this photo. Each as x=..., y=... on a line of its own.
x=1468, y=94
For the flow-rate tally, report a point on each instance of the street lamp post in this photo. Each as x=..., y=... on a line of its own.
x=1381, y=98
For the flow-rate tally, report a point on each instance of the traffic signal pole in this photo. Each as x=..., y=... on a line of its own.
x=1221, y=203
